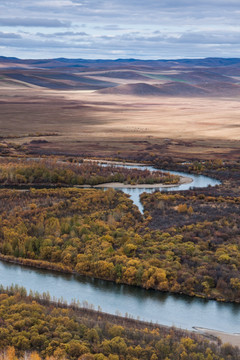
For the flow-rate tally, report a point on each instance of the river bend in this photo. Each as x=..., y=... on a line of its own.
x=168, y=309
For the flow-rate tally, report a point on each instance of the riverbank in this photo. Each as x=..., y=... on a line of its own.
x=112, y=162
x=37, y=264
x=157, y=306
x=105, y=333
x=183, y=180
x=85, y=308
x=233, y=339
x=47, y=173
x=64, y=269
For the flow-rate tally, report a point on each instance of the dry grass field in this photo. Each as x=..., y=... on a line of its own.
x=127, y=118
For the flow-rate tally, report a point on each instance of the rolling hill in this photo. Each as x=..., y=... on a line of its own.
x=168, y=89
x=184, y=77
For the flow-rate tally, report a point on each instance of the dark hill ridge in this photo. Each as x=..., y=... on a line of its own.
x=198, y=76
x=182, y=89
x=119, y=63
x=137, y=89
x=61, y=81
x=168, y=89
x=124, y=74
x=175, y=89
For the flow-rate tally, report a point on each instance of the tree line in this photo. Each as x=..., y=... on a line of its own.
x=50, y=172
x=37, y=327
x=62, y=228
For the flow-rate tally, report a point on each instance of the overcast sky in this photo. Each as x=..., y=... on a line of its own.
x=110, y=29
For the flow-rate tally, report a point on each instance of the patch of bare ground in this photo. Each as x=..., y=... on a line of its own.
x=233, y=339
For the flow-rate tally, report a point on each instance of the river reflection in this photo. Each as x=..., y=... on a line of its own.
x=198, y=181
x=168, y=309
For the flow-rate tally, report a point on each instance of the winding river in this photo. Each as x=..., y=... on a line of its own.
x=198, y=181
x=168, y=309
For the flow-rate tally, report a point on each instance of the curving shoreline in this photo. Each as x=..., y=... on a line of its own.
x=210, y=334
x=233, y=339
x=112, y=162
x=183, y=180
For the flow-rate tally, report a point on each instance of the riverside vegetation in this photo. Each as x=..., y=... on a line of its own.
x=52, y=172
x=57, y=331
x=61, y=228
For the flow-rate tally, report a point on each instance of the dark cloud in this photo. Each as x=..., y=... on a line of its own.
x=71, y=33
x=62, y=33
x=43, y=44
x=9, y=36
x=142, y=11
x=109, y=27
x=209, y=38
x=34, y=22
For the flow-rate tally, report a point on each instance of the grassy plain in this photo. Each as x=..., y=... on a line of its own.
x=91, y=123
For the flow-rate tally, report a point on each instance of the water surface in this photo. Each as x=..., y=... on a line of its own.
x=198, y=181
x=168, y=309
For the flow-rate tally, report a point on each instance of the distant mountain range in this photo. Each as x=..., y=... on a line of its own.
x=183, y=77
x=209, y=62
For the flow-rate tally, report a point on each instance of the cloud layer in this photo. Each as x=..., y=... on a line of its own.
x=150, y=29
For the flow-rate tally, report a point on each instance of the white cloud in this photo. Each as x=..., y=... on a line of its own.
x=176, y=28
